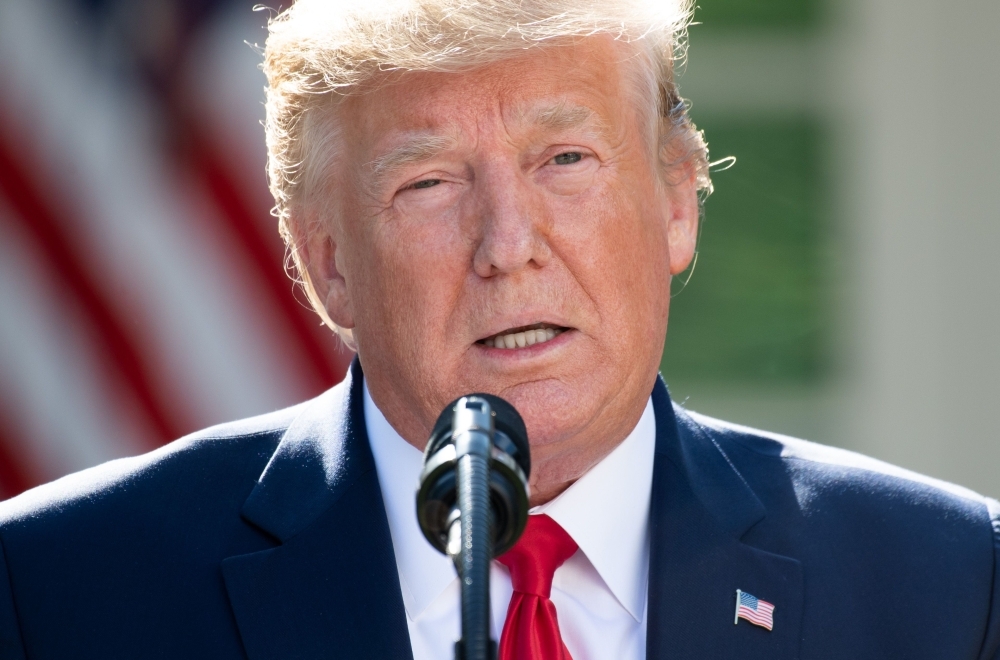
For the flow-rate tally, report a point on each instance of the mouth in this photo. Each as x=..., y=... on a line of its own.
x=523, y=337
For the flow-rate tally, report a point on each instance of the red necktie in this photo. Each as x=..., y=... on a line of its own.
x=531, y=631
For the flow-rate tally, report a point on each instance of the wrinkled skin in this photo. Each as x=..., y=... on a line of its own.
x=539, y=200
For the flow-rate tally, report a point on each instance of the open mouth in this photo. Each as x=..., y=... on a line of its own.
x=524, y=336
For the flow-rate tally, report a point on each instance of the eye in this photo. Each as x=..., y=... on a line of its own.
x=568, y=158
x=426, y=183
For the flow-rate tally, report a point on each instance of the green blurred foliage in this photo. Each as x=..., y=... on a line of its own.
x=753, y=310
x=758, y=13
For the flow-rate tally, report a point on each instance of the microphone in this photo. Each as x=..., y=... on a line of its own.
x=472, y=501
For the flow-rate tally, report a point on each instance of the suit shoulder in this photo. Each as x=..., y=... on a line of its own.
x=892, y=543
x=815, y=467
x=207, y=460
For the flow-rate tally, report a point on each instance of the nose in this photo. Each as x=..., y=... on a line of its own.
x=512, y=222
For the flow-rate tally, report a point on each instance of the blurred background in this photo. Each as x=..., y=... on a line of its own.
x=847, y=288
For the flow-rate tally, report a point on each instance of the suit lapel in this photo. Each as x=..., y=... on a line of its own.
x=330, y=589
x=701, y=507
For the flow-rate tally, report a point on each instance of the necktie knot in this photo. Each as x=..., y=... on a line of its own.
x=531, y=631
x=544, y=547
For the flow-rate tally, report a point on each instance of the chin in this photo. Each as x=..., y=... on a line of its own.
x=552, y=411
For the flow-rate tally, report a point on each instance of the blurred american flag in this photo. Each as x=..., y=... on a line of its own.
x=142, y=285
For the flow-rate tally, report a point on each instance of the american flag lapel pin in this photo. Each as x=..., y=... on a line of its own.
x=756, y=611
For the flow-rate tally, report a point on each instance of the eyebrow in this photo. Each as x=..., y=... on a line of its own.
x=561, y=116
x=564, y=115
x=414, y=149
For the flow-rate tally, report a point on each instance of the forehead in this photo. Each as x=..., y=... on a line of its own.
x=553, y=88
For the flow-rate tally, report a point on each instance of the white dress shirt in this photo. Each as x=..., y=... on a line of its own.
x=599, y=593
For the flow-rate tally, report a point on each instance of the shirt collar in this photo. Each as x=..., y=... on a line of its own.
x=606, y=512
x=423, y=571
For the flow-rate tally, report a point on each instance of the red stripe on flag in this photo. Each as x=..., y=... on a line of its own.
x=328, y=362
x=17, y=474
x=761, y=618
x=40, y=221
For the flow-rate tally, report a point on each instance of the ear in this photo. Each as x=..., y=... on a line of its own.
x=682, y=218
x=321, y=270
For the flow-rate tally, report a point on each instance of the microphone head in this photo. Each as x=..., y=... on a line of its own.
x=507, y=421
x=510, y=466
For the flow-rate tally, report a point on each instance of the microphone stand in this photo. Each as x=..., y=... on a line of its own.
x=472, y=502
x=470, y=535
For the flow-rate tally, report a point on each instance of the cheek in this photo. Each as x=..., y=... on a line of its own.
x=413, y=273
x=614, y=244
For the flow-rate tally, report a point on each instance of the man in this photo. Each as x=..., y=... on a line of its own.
x=494, y=197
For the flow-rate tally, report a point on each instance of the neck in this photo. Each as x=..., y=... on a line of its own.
x=545, y=493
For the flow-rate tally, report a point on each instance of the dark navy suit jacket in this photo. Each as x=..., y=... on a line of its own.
x=268, y=539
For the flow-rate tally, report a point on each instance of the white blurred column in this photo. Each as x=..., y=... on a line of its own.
x=919, y=83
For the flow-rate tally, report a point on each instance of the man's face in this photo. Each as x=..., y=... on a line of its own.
x=521, y=197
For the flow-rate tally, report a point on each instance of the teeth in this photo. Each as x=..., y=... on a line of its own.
x=522, y=339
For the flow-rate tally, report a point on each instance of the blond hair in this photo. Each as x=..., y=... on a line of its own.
x=319, y=51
